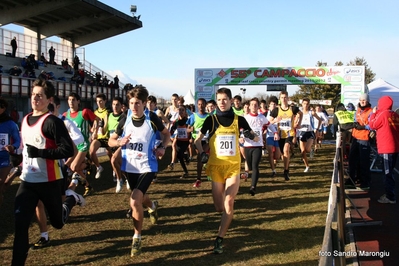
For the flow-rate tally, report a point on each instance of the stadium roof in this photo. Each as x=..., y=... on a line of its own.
x=79, y=21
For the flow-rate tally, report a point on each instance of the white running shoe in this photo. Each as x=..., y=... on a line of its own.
x=306, y=170
x=99, y=170
x=119, y=184
x=79, y=198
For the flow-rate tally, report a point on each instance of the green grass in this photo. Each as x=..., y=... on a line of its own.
x=283, y=224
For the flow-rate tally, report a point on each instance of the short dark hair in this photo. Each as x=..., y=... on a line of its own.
x=75, y=95
x=48, y=87
x=56, y=100
x=102, y=96
x=152, y=99
x=273, y=99
x=119, y=99
x=3, y=103
x=140, y=92
x=238, y=97
x=201, y=99
x=224, y=90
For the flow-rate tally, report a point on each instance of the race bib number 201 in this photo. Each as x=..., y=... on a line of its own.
x=226, y=145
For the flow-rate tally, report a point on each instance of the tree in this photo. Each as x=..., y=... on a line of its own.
x=330, y=91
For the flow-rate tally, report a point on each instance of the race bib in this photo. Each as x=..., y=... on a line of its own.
x=285, y=124
x=226, y=145
x=3, y=140
x=182, y=133
x=137, y=149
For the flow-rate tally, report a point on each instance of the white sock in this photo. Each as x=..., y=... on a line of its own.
x=137, y=236
x=45, y=235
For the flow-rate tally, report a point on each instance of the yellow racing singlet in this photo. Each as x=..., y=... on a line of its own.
x=286, y=125
x=224, y=148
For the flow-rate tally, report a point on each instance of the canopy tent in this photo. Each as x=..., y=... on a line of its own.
x=189, y=98
x=379, y=88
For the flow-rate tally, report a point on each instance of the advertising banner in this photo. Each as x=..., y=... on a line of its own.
x=351, y=78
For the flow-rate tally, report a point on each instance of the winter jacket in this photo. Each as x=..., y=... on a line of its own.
x=386, y=122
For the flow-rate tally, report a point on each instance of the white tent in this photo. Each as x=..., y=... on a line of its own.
x=379, y=88
x=189, y=98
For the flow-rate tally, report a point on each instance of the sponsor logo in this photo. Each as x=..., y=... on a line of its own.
x=204, y=80
x=204, y=89
x=333, y=72
x=205, y=73
x=353, y=78
x=353, y=71
x=222, y=73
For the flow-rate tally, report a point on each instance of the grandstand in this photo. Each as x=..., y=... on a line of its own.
x=76, y=23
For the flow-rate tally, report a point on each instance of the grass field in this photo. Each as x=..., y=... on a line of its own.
x=283, y=224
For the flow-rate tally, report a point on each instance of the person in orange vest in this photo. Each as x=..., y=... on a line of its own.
x=359, y=154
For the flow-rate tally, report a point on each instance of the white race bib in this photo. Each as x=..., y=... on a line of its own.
x=226, y=145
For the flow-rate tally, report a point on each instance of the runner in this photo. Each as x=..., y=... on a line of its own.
x=136, y=135
x=253, y=149
x=46, y=141
x=288, y=118
x=224, y=158
x=307, y=131
x=195, y=123
x=82, y=120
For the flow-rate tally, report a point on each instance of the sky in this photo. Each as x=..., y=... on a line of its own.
x=179, y=36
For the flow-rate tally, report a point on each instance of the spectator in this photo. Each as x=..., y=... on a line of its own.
x=76, y=63
x=116, y=82
x=15, y=71
x=386, y=122
x=343, y=121
x=14, y=46
x=43, y=75
x=51, y=53
x=98, y=78
x=43, y=59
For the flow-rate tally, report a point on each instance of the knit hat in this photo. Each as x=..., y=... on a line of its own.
x=350, y=107
x=364, y=96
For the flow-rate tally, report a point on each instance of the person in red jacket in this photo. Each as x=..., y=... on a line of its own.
x=386, y=123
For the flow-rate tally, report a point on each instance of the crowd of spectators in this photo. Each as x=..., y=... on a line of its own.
x=79, y=76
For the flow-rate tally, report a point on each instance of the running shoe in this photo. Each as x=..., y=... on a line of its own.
x=286, y=175
x=119, y=185
x=41, y=243
x=218, y=248
x=197, y=184
x=78, y=198
x=154, y=213
x=273, y=173
x=88, y=191
x=129, y=213
x=185, y=175
x=171, y=166
x=244, y=176
x=306, y=169
x=79, y=178
x=136, y=247
x=100, y=169
x=384, y=199
x=252, y=191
